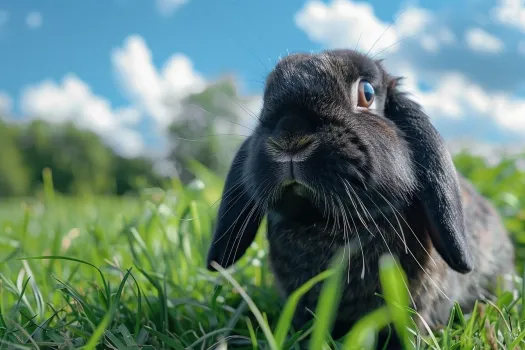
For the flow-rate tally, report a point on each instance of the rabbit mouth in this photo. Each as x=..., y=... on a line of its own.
x=295, y=187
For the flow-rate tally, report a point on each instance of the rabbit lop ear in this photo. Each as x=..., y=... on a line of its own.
x=439, y=191
x=238, y=218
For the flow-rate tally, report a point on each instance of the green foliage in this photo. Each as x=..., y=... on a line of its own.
x=504, y=185
x=128, y=273
x=206, y=129
x=80, y=162
x=14, y=177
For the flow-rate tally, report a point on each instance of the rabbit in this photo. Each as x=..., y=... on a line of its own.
x=343, y=158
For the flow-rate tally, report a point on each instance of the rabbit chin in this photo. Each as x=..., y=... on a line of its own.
x=295, y=201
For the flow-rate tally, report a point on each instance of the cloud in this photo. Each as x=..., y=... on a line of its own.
x=34, y=20
x=480, y=94
x=344, y=23
x=454, y=96
x=167, y=7
x=479, y=40
x=73, y=100
x=155, y=93
x=6, y=104
x=510, y=13
x=154, y=100
x=428, y=41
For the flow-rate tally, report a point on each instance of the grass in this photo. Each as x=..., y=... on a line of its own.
x=129, y=273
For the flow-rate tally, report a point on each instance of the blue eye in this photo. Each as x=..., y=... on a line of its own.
x=366, y=94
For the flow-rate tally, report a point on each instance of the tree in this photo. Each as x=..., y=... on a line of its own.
x=14, y=179
x=207, y=129
x=135, y=173
x=79, y=160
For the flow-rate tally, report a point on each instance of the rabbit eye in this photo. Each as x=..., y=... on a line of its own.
x=365, y=94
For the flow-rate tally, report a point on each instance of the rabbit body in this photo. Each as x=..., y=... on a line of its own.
x=342, y=157
x=298, y=253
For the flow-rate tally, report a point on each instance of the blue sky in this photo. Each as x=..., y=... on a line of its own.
x=104, y=60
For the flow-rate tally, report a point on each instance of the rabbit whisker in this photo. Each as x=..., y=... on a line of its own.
x=386, y=29
x=231, y=206
x=363, y=272
x=391, y=254
x=258, y=210
x=358, y=236
x=239, y=183
x=203, y=137
x=358, y=40
x=346, y=236
x=409, y=251
x=325, y=211
x=336, y=216
x=355, y=207
x=366, y=210
x=215, y=115
x=235, y=221
x=402, y=218
x=361, y=219
x=322, y=191
x=250, y=113
x=389, y=46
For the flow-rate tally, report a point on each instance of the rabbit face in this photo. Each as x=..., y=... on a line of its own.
x=324, y=141
x=337, y=137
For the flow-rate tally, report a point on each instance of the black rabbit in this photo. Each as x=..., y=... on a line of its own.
x=341, y=156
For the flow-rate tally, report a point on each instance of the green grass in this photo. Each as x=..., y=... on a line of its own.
x=125, y=273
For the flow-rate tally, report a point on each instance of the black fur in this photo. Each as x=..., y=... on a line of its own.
x=379, y=178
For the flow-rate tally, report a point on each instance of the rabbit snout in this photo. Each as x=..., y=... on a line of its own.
x=291, y=141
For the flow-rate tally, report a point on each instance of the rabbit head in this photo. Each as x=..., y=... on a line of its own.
x=335, y=124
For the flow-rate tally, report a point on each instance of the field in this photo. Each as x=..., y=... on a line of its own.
x=128, y=273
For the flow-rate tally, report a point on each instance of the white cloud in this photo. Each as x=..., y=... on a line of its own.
x=452, y=96
x=345, y=23
x=432, y=42
x=153, y=93
x=73, y=100
x=156, y=93
x=34, y=20
x=167, y=7
x=479, y=40
x=510, y=13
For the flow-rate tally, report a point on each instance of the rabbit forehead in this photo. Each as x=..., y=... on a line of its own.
x=348, y=65
x=317, y=80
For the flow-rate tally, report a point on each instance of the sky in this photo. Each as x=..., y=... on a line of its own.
x=112, y=65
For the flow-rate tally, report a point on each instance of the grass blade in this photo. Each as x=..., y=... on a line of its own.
x=101, y=328
x=328, y=303
x=393, y=281
x=260, y=319
x=285, y=320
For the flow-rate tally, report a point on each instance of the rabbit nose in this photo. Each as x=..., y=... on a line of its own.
x=292, y=125
x=291, y=151
x=292, y=139
x=292, y=146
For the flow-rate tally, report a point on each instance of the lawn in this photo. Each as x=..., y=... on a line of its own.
x=128, y=273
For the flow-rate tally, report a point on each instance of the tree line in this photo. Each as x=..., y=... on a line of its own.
x=81, y=162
